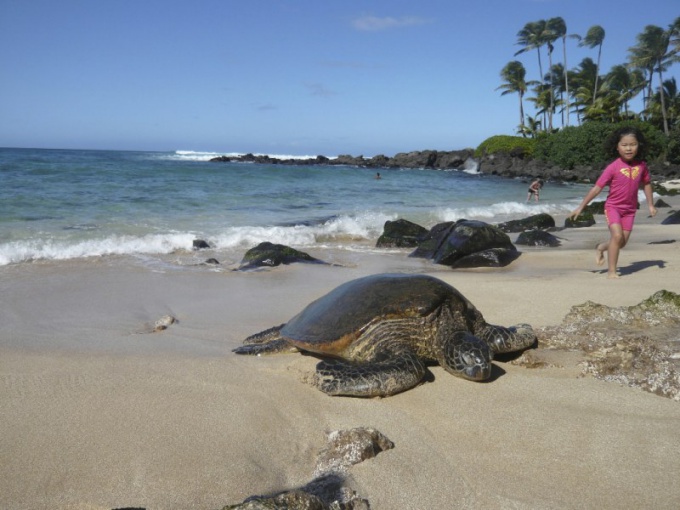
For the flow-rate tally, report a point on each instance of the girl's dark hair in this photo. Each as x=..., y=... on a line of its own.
x=612, y=141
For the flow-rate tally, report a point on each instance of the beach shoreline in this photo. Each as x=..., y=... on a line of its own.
x=99, y=412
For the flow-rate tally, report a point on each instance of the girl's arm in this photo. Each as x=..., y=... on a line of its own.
x=594, y=191
x=650, y=199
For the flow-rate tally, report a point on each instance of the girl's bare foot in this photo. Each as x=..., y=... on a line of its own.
x=599, y=255
x=612, y=275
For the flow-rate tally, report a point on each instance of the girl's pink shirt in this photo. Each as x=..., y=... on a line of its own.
x=624, y=180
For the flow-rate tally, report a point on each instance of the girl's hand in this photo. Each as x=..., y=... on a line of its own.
x=575, y=213
x=652, y=211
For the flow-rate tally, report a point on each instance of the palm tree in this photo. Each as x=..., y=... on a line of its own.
x=675, y=38
x=559, y=78
x=594, y=37
x=671, y=101
x=559, y=28
x=514, y=76
x=652, y=54
x=584, y=78
x=625, y=84
x=542, y=102
x=533, y=36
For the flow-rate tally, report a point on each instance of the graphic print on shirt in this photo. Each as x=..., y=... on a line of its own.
x=631, y=173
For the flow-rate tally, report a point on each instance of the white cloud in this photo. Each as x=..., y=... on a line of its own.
x=319, y=89
x=375, y=24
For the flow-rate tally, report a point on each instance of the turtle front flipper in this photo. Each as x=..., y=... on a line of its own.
x=272, y=347
x=380, y=378
x=512, y=339
x=268, y=341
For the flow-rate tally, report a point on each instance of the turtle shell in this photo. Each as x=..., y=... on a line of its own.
x=334, y=321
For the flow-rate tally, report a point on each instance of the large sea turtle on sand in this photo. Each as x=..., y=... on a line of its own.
x=383, y=330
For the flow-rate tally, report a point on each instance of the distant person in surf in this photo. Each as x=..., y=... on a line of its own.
x=377, y=176
x=624, y=176
x=534, y=189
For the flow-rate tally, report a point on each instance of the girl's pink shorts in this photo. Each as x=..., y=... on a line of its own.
x=625, y=219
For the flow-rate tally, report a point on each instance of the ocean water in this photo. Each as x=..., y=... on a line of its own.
x=73, y=204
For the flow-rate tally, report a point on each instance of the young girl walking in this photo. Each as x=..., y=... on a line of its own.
x=624, y=176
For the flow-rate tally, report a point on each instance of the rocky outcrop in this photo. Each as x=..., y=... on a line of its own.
x=511, y=165
x=415, y=159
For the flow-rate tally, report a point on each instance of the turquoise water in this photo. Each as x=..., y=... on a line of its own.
x=68, y=204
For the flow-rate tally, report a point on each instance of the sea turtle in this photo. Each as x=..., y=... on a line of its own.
x=384, y=329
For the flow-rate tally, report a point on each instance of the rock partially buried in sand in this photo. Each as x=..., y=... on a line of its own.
x=345, y=448
x=379, y=333
x=541, y=221
x=538, y=238
x=269, y=255
x=672, y=219
x=163, y=323
x=328, y=490
x=633, y=345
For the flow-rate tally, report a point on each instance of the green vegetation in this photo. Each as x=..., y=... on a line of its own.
x=513, y=145
x=584, y=145
x=599, y=102
x=585, y=93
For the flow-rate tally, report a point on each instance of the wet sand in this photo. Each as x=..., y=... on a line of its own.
x=99, y=413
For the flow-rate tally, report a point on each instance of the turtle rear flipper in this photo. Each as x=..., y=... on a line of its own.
x=372, y=379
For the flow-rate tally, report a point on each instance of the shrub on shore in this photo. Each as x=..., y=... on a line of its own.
x=514, y=145
x=583, y=145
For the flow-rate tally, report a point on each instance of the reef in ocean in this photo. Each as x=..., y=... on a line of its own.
x=634, y=345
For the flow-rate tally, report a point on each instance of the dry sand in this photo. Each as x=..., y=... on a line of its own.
x=97, y=413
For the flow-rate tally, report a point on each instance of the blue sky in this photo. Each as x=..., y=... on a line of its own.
x=293, y=77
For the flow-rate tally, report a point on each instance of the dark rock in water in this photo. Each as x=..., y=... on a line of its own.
x=541, y=221
x=672, y=219
x=212, y=262
x=269, y=254
x=401, y=234
x=660, y=204
x=633, y=345
x=429, y=245
x=328, y=491
x=467, y=244
x=538, y=238
x=585, y=219
x=200, y=244
x=596, y=207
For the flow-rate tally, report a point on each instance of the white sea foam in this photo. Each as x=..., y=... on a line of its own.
x=362, y=227
x=207, y=156
x=503, y=211
x=29, y=250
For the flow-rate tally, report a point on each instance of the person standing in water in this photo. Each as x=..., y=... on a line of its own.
x=534, y=189
x=624, y=176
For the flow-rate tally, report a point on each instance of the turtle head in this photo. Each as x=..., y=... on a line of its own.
x=464, y=355
x=513, y=339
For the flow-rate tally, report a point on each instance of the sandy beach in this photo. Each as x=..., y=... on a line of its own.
x=98, y=412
